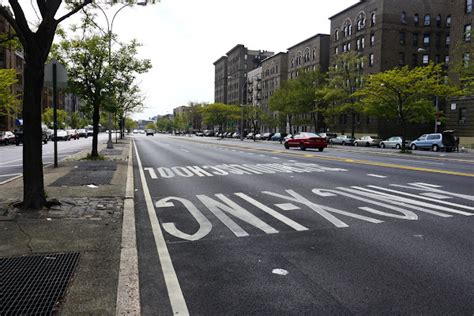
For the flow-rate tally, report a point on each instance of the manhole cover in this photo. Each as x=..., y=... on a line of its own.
x=34, y=285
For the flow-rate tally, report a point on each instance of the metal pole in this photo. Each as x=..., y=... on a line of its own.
x=110, y=144
x=242, y=122
x=436, y=114
x=55, y=117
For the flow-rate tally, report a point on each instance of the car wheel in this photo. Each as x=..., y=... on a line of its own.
x=302, y=146
x=382, y=145
x=287, y=146
x=435, y=147
x=343, y=144
x=6, y=142
x=397, y=146
x=321, y=149
x=413, y=147
x=356, y=144
x=367, y=145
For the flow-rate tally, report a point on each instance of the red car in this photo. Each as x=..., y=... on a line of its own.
x=306, y=140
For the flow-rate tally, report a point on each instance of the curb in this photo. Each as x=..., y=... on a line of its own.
x=128, y=289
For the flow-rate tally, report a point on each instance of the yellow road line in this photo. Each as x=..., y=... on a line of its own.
x=352, y=161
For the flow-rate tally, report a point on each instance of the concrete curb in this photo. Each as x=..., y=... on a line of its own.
x=128, y=289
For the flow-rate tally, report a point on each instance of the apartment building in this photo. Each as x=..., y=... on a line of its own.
x=254, y=87
x=310, y=54
x=231, y=73
x=274, y=73
x=391, y=34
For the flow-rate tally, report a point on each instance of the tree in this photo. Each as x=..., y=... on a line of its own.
x=164, y=124
x=150, y=126
x=281, y=102
x=130, y=124
x=405, y=95
x=9, y=103
x=253, y=114
x=220, y=114
x=75, y=120
x=49, y=120
x=36, y=45
x=345, y=78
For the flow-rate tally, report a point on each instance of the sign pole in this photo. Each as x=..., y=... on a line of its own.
x=55, y=116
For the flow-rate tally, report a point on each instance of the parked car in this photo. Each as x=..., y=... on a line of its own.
x=82, y=132
x=306, y=140
x=19, y=136
x=428, y=141
x=73, y=134
x=199, y=133
x=287, y=137
x=328, y=135
x=209, y=133
x=236, y=135
x=61, y=135
x=249, y=135
x=342, y=140
x=150, y=132
x=278, y=136
x=258, y=136
x=7, y=137
x=266, y=136
x=367, y=141
x=393, y=142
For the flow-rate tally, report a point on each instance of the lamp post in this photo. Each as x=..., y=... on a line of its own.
x=421, y=51
x=110, y=144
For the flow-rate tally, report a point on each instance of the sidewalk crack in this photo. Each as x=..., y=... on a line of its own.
x=27, y=235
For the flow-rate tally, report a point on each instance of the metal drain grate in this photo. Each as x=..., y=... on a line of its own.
x=33, y=285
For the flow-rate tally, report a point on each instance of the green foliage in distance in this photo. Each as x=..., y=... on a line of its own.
x=130, y=124
x=220, y=114
x=164, y=124
x=49, y=121
x=9, y=103
x=150, y=126
x=405, y=95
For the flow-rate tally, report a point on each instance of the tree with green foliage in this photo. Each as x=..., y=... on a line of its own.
x=344, y=79
x=9, y=103
x=253, y=115
x=280, y=101
x=150, y=126
x=75, y=121
x=61, y=118
x=220, y=114
x=130, y=124
x=164, y=124
x=405, y=95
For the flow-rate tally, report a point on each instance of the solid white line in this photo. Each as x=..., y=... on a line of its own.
x=178, y=304
x=186, y=151
x=7, y=162
x=9, y=175
x=11, y=179
x=376, y=176
x=9, y=166
x=128, y=289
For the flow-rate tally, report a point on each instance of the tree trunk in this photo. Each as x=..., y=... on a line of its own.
x=353, y=116
x=34, y=196
x=315, y=121
x=95, y=124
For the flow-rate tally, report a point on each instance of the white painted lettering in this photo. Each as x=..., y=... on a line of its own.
x=182, y=171
x=199, y=171
x=165, y=172
x=152, y=173
x=217, y=171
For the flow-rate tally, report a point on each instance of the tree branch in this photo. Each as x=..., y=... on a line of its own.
x=19, y=24
x=72, y=12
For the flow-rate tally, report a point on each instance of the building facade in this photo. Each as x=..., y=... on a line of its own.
x=310, y=54
x=391, y=34
x=254, y=87
x=220, y=81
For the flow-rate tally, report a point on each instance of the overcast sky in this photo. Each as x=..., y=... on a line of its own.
x=183, y=38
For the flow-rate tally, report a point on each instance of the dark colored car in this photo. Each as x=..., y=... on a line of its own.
x=266, y=136
x=7, y=137
x=19, y=137
x=278, y=136
x=306, y=140
x=209, y=133
x=328, y=135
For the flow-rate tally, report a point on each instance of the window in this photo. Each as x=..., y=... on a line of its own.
x=437, y=59
x=336, y=50
x=371, y=59
x=347, y=28
x=448, y=21
x=372, y=39
x=362, y=42
x=446, y=60
x=402, y=38
x=466, y=58
x=415, y=39
x=426, y=59
x=372, y=19
x=467, y=32
x=468, y=6
x=462, y=115
x=416, y=19
x=427, y=21
x=401, y=59
x=438, y=20
x=448, y=39
x=403, y=17
x=348, y=46
x=336, y=35
x=358, y=44
x=344, y=48
x=426, y=39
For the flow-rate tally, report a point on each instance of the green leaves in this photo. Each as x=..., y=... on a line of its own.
x=9, y=103
x=220, y=114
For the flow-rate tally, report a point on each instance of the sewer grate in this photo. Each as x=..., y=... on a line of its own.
x=34, y=285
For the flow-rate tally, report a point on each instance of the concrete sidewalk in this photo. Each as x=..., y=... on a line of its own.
x=88, y=221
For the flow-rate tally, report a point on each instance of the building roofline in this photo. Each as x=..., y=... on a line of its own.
x=347, y=9
x=308, y=39
x=277, y=54
x=223, y=57
x=235, y=47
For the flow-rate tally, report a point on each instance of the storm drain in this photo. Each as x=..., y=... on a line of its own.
x=34, y=285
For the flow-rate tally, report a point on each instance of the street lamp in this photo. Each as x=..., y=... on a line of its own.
x=421, y=51
x=110, y=144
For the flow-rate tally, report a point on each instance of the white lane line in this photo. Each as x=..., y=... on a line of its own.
x=276, y=158
x=11, y=179
x=261, y=155
x=9, y=166
x=186, y=151
x=292, y=161
x=250, y=153
x=178, y=304
x=376, y=176
x=9, y=175
x=7, y=162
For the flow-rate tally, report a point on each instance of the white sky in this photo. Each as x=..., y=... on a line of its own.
x=183, y=38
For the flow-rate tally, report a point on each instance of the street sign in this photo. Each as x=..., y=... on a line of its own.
x=61, y=75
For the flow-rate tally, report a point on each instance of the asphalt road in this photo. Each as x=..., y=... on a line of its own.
x=11, y=165
x=243, y=228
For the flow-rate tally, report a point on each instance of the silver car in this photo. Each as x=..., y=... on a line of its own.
x=393, y=142
x=367, y=141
